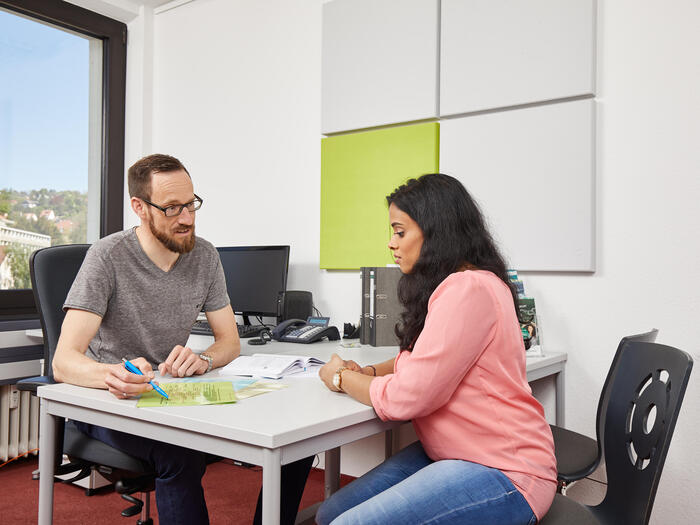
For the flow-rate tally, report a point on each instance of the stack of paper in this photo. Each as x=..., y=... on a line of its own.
x=270, y=365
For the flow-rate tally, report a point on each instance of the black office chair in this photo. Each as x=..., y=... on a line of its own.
x=53, y=271
x=577, y=455
x=646, y=393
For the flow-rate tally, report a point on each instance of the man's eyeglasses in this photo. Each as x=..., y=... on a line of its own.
x=174, y=211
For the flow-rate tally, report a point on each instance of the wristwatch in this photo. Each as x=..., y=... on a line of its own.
x=338, y=378
x=209, y=359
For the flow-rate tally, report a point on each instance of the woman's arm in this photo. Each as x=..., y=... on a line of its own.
x=379, y=369
x=356, y=385
x=462, y=319
x=354, y=381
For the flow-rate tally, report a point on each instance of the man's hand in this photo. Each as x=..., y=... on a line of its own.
x=123, y=384
x=183, y=362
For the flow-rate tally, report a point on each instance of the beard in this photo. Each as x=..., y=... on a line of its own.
x=184, y=245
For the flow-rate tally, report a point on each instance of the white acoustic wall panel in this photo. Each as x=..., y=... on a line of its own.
x=497, y=53
x=379, y=63
x=532, y=172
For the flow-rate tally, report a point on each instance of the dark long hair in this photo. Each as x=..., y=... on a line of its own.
x=454, y=235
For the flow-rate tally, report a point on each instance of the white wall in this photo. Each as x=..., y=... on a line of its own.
x=236, y=95
x=648, y=224
x=237, y=99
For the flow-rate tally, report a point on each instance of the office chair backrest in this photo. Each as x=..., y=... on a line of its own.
x=646, y=337
x=53, y=271
x=645, y=398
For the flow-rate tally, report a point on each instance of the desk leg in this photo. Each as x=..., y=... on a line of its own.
x=559, y=388
x=47, y=455
x=332, y=472
x=272, y=485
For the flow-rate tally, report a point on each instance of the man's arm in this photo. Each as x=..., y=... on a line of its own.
x=227, y=345
x=183, y=362
x=71, y=365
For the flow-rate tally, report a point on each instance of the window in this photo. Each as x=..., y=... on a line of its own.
x=61, y=135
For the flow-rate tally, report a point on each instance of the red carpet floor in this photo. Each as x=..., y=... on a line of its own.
x=231, y=494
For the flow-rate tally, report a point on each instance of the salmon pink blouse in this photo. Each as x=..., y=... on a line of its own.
x=465, y=389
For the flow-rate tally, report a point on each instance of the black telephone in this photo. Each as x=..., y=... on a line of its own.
x=309, y=331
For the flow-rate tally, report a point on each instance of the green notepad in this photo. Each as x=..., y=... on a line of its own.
x=190, y=394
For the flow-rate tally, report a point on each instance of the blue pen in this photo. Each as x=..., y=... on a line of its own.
x=131, y=368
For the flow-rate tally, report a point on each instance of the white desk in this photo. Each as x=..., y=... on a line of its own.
x=270, y=430
x=551, y=365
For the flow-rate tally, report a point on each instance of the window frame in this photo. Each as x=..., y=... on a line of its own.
x=19, y=304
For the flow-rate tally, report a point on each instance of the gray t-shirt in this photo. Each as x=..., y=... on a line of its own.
x=145, y=311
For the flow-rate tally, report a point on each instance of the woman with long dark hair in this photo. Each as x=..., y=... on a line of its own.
x=485, y=452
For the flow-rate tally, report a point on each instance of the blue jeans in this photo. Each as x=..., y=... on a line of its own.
x=179, y=471
x=410, y=488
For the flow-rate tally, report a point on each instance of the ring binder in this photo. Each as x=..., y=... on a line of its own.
x=381, y=309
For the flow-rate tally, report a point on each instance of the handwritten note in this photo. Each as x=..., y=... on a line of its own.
x=190, y=394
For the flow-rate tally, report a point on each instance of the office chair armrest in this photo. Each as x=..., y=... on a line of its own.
x=30, y=384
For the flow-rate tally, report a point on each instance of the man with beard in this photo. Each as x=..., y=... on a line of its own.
x=136, y=296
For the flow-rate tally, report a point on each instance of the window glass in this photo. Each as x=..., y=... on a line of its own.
x=50, y=141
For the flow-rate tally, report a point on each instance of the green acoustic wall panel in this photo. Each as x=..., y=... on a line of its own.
x=358, y=171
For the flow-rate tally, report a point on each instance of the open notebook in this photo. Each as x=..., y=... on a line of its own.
x=272, y=366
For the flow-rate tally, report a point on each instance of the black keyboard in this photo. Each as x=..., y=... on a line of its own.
x=244, y=331
x=201, y=328
x=249, y=330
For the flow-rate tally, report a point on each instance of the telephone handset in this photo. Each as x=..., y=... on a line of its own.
x=309, y=331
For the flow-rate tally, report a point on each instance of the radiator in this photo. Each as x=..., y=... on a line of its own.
x=19, y=422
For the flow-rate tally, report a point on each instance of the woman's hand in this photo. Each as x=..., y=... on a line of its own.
x=352, y=365
x=328, y=370
x=355, y=385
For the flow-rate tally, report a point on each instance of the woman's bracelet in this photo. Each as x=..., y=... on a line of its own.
x=373, y=369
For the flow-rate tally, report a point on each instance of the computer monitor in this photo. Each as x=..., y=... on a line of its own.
x=255, y=277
